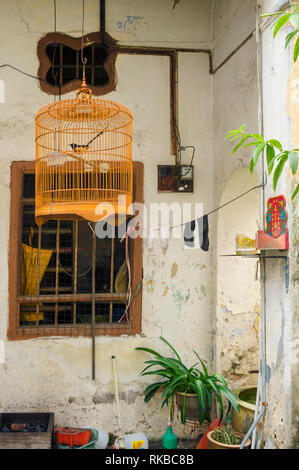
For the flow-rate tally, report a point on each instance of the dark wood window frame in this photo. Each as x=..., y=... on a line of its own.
x=15, y=332
x=75, y=44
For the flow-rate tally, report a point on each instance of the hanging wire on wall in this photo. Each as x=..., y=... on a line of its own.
x=181, y=147
x=176, y=2
x=55, y=75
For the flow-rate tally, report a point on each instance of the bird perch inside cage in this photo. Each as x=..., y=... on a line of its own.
x=83, y=159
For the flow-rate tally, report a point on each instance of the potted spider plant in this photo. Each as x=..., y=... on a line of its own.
x=225, y=437
x=192, y=388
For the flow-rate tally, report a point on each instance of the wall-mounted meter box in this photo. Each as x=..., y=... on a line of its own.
x=186, y=172
x=176, y=178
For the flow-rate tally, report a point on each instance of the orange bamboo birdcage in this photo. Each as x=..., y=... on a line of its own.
x=83, y=159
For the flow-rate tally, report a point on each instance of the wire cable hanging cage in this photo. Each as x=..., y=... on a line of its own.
x=83, y=159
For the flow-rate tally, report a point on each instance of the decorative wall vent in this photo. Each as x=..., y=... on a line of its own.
x=61, y=68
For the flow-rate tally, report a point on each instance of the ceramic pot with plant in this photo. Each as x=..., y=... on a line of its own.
x=225, y=437
x=246, y=398
x=192, y=388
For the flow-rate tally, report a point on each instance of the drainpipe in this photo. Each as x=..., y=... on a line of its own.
x=260, y=406
x=261, y=393
x=102, y=16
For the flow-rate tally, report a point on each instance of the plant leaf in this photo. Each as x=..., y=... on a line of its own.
x=296, y=50
x=295, y=192
x=294, y=161
x=275, y=144
x=152, y=389
x=278, y=171
x=171, y=413
x=201, y=394
x=171, y=385
x=271, y=156
x=240, y=144
x=277, y=13
x=202, y=363
x=233, y=133
x=236, y=137
x=171, y=347
x=164, y=362
x=250, y=145
x=209, y=397
x=160, y=372
x=230, y=396
x=220, y=379
x=220, y=403
x=183, y=411
x=256, y=155
x=258, y=137
x=165, y=402
x=280, y=23
x=151, y=351
x=290, y=37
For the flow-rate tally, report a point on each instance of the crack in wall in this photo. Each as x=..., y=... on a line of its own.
x=21, y=16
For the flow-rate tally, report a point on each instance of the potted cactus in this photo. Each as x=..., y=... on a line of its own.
x=225, y=437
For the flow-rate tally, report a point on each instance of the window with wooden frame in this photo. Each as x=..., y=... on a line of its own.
x=61, y=68
x=71, y=287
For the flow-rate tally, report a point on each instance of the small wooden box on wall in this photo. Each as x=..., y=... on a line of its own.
x=175, y=178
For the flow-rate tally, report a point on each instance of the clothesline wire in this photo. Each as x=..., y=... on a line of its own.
x=223, y=205
x=21, y=71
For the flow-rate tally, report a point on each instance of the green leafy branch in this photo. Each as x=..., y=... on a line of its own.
x=276, y=155
x=291, y=15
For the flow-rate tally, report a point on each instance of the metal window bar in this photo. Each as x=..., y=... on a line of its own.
x=77, y=64
x=60, y=64
x=92, y=64
x=38, y=275
x=75, y=223
x=47, y=303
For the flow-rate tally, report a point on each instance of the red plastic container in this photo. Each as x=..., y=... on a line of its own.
x=73, y=436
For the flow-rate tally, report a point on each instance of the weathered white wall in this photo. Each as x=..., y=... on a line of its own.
x=235, y=103
x=238, y=306
x=281, y=122
x=55, y=373
x=234, y=20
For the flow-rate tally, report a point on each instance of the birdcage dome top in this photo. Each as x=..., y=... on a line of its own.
x=113, y=115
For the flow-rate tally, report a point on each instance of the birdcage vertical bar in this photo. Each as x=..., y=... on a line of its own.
x=111, y=278
x=93, y=306
x=57, y=270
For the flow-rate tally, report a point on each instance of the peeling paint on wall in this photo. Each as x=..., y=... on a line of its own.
x=174, y=270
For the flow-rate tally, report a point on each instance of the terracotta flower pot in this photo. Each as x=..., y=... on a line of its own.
x=218, y=445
